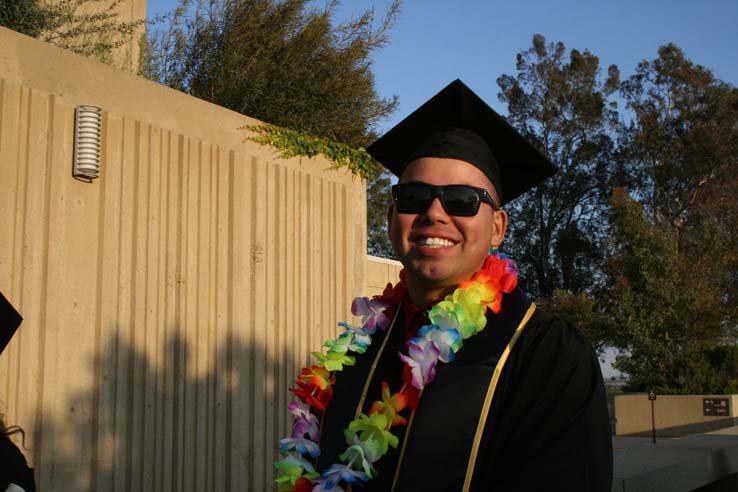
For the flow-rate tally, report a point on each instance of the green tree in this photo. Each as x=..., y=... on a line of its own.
x=28, y=17
x=279, y=61
x=681, y=144
x=379, y=196
x=90, y=28
x=559, y=102
x=674, y=263
x=647, y=297
x=287, y=64
x=587, y=314
x=711, y=370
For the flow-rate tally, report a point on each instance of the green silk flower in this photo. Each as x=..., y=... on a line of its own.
x=334, y=361
x=354, y=456
x=470, y=311
x=374, y=433
x=292, y=467
x=347, y=342
x=460, y=310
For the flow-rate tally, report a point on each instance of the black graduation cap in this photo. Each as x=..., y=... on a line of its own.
x=10, y=320
x=456, y=123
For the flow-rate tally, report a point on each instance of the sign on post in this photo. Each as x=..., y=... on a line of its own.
x=652, y=399
x=715, y=407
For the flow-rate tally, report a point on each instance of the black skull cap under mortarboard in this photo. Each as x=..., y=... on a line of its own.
x=10, y=320
x=458, y=124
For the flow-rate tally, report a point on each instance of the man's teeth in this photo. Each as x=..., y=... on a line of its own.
x=435, y=242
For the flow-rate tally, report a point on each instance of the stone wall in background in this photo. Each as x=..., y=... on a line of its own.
x=169, y=304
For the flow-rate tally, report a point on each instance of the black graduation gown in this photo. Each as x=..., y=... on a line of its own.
x=547, y=427
x=13, y=467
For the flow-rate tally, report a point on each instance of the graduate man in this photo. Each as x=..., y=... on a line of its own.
x=519, y=403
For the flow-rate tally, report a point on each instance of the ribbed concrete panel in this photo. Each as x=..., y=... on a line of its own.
x=169, y=304
x=380, y=272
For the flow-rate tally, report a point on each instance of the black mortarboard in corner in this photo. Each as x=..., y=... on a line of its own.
x=456, y=123
x=10, y=320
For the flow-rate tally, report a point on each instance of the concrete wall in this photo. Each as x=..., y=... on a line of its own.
x=674, y=414
x=379, y=272
x=169, y=304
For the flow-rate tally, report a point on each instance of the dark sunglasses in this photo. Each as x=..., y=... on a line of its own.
x=457, y=199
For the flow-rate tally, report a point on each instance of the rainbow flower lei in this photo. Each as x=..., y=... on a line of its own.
x=459, y=316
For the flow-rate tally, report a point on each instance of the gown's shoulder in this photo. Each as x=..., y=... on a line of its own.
x=555, y=341
x=549, y=424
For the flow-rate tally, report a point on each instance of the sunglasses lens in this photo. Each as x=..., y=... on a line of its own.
x=413, y=198
x=460, y=200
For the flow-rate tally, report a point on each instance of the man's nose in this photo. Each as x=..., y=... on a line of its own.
x=436, y=212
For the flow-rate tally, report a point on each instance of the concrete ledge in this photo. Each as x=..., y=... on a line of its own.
x=674, y=465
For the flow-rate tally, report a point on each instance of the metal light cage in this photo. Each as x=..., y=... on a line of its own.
x=87, y=134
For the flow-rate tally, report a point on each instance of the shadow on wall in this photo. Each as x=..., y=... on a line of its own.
x=155, y=420
x=688, y=429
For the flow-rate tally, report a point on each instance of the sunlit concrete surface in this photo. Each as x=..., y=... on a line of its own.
x=677, y=464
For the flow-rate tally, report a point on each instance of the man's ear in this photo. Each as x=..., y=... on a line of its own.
x=499, y=227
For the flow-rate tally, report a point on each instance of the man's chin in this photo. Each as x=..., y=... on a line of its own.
x=428, y=274
x=431, y=278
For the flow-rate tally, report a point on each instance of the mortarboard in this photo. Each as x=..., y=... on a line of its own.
x=9, y=322
x=457, y=123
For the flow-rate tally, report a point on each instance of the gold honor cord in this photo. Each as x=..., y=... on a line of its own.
x=490, y=393
x=374, y=364
x=368, y=380
x=404, y=443
x=371, y=373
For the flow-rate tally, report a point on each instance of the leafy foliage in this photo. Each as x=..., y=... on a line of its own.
x=278, y=61
x=559, y=103
x=293, y=143
x=586, y=313
x=711, y=370
x=379, y=197
x=683, y=139
x=648, y=300
x=28, y=17
x=633, y=239
x=90, y=28
x=674, y=262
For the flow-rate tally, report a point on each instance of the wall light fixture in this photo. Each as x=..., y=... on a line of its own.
x=87, y=134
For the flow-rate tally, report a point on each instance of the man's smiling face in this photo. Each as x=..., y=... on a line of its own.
x=439, y=250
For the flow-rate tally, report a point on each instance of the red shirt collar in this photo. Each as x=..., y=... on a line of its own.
x=415, y=317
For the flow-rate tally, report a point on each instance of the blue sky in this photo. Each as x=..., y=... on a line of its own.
x=436, y=41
